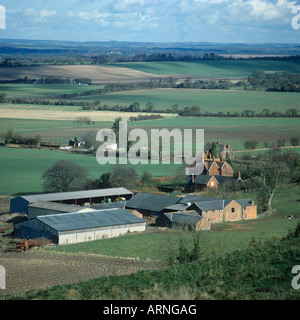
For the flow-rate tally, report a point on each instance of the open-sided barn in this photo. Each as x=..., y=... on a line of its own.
x=190, y=220
x=20, y=204
x=77, y=227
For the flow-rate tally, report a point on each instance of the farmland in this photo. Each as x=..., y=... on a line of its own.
x=212, y=69
x=57, y=266
x=55, y=123
x=22, y=169
x=208, y=100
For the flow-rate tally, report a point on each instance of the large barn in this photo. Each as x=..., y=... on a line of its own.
x=20, y=204
x=78, y=227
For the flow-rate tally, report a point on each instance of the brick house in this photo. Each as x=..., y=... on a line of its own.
x=221, y=210
x=211, y=174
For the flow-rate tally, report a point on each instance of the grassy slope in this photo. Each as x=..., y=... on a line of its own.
x=208, y=100
x=259, y=272
x=21, y=169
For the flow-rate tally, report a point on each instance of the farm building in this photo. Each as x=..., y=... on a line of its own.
x=191, y=220
x=78, y=227
x=42, y=208
x=20, y=204
x=150, y=203
x=201, y=182
x=220, y=210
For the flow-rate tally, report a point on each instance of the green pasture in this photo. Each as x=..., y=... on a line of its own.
x=21, y=169
x=212, y=69
x=208, y=100
x=33, y=126
x=224, y=237
x=39, y=90
x=233, y=131
x=56, y=131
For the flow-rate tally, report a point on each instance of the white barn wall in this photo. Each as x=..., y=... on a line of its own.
x=83, y=235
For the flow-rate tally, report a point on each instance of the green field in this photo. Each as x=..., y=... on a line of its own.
x=213, y=69
x=39, y=90
x=21, y=169
x=234, y=131
x=208, y=100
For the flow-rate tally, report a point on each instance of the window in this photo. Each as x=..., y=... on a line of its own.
x=232, y=209
x=212, y=183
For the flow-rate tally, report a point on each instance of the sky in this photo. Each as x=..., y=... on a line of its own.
x=222, y=21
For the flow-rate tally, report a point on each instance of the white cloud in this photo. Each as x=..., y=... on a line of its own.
x=47, y=13
x=38, y=15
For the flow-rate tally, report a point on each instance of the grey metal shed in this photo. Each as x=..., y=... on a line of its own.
x=77, y=227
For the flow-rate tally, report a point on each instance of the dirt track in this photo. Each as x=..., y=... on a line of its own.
x=33, y=270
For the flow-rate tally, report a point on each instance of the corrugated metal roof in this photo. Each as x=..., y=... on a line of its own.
x=77, y=194
x=55, y=206
x=151, y=201
x=107, y=205
x=185, y=217
x=217, y=204
x=87, y=220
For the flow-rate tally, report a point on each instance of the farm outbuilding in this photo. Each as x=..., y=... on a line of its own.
x=150, y=203
x=42, y=208
x=78, y=227
x=190, y=220
x=20, y=204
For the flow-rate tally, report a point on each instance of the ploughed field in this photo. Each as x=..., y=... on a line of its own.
x=35, y=270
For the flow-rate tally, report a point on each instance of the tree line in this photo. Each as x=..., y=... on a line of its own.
x=278, y=82
x=195, y=111
x=109, y=58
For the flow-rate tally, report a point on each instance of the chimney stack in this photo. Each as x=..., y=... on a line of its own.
x=239, y=172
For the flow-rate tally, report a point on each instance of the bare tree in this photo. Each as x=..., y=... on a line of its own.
x=273, y=176
x=64, y=176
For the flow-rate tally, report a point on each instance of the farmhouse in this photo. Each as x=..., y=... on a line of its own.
x=190, y=220
x=78, y=227
x=202, y=182
x=211, y=173
x=20, y=204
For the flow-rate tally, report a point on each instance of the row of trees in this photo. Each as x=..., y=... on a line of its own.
x=251, y=144
x=283, y=81
x=29, y=56
x=10, y=136
x=195, y=111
